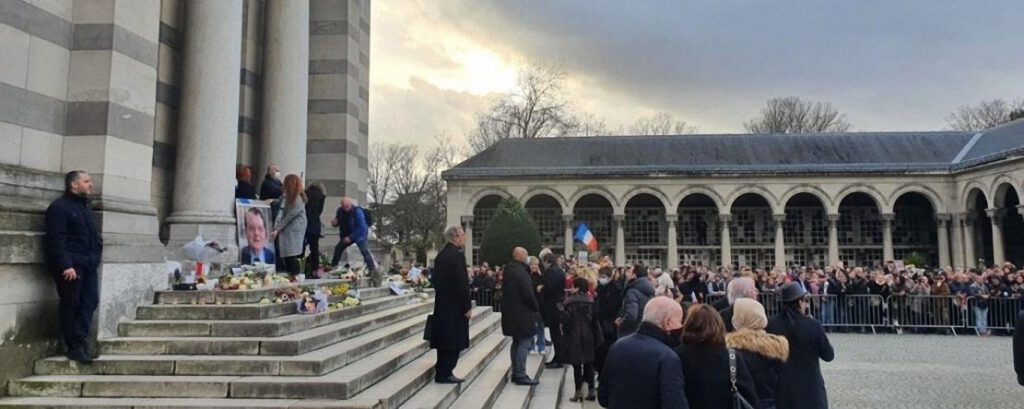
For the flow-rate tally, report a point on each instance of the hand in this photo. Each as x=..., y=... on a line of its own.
x=334, y=222
x=273, y=235
x=468, y=314
x=346, y=240
x=69, y=274
x=618, y=322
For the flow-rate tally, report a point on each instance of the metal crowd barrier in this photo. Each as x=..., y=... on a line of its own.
x=486, y=298
x=1000, y=314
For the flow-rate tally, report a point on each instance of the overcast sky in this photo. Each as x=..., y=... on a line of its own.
x=889, y=65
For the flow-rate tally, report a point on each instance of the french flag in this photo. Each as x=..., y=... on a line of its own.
x=583, y=235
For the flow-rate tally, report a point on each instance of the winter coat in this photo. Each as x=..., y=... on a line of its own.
x=636, y=295
x=291, y=227
x=801, y=385
x=552, y=295
x=764, y=354
x=451, y=300
x=519, y=306
x=609, y=302
x=271, y=188
x=642, y=372
x=1018, y=349
x=314, y=208
x=352, y=225
x=581, y=333
x=706, y=370
x=72, y=240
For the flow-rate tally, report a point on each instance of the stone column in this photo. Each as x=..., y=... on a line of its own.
x=567, y=218
x=673, y=241
x=620, y=239
x=887, y=253
x=285, y=86
x=208, y=126
x=956, y=236
x=970, y=260
x=996, y=217
x=723, y=220
x=780, y=240
x=833, y=239
x=467, y=226
x=942, y=228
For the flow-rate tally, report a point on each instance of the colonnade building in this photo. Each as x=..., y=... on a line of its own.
x=158, y=100
x=760, y=200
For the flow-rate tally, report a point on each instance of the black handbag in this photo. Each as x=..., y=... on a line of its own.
x=738, y=401
x=428, y=332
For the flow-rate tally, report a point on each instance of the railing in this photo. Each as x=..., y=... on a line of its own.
x=486, y=297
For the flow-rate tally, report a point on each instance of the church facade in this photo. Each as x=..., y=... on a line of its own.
x=945, y=198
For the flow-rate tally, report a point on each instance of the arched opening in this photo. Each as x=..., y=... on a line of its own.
x=645, y=231
x=806, y=231
x=979, y=235
x=697, y=231
x=1012, y=224
x=483, y=212
x=596, y=212
x=914, y=229
x=752, y=231
x=860, y=230
x=546, y=213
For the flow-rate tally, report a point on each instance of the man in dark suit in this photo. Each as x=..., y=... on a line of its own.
x=551, y=296
x=1018, y=348
x=519, y=313
x=452, y=305
x=74, y=248
x=256, y=236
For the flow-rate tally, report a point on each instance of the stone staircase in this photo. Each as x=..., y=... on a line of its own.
x=207, y=349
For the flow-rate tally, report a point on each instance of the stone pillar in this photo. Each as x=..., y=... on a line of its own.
x=942, y=228
x=724, y=220
x=833, y=239
x=957, y=239
x=996, y=217
x=567, y=218
x=285, y=86
x=887, y=253
x=208, y=128
x=970, y=260
x=467, y=226
x=673, y=241
x=620, y=239
x=780, y=241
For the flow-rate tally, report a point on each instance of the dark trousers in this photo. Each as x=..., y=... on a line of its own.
x=520, y=348
x=364, y=248
x=291, y=265
x=583, y=373
x=557, y=343
x=446, y=361
x=78, y=301
x=313, y=260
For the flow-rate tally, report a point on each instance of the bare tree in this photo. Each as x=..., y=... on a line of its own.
x=660, y=124
x=793, y=115
x=536, y=109
x=586, y=124
x=984, y=115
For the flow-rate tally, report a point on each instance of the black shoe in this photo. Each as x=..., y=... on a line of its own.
x=448, y=379
x=79, y=355
x=554, y=365
x=524, y=381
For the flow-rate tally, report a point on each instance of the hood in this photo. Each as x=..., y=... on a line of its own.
x=759, y=342
x=643, y=285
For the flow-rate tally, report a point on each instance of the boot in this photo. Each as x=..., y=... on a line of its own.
x=578, y=397
x=592, y=395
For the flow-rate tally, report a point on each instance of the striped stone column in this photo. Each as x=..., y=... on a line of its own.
x=285, y=86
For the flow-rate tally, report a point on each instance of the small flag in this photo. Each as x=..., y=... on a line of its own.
x=584, y=236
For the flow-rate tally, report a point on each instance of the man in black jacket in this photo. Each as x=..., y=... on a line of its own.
x=1018, y=348
x=271, y=188
x=73, y=249
x=452, y=305
x=518, y=313
x=552, y=295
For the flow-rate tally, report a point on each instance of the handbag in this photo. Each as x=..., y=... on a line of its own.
x=428, y=332
x=738, y=401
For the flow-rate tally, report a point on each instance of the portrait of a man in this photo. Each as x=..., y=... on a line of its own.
x=253, y=239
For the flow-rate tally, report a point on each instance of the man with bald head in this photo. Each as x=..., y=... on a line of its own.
x=519, y=313
x=740, y=287
x=353, y=228
x=642, y=370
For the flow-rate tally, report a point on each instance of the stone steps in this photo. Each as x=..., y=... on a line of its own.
x=245, y=296
x=343, y=383
x=272, y=327
x=232, y=311
x=513, y=396
x=484, y=390
x=471, y=365
x=315, y=362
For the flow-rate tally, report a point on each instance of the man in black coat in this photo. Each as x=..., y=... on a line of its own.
x=452, y=305
x=316, y=195
x=74, y=249
x=638, y=291
x=807, y=345
x=1018, y=348
x=271, y=188
x=552, y=295
x=518, y=313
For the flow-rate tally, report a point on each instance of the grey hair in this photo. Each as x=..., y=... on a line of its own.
x=738, y=288
x=659, y=309
x=451, y=232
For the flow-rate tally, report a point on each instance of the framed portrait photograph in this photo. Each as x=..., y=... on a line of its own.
x=254, y=224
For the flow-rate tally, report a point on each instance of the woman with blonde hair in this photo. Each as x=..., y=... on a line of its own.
x=290, y=224
x=764, y=353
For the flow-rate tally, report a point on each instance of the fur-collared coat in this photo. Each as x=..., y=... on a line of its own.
x=764, y=354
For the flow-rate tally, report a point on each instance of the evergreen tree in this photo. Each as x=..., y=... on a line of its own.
x=511, y=227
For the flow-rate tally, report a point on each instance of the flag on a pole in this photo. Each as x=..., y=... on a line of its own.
x=583, y=235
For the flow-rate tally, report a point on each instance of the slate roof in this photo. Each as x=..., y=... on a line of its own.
x=842, y=153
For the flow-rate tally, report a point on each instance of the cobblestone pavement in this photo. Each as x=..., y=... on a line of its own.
x=913, y=372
